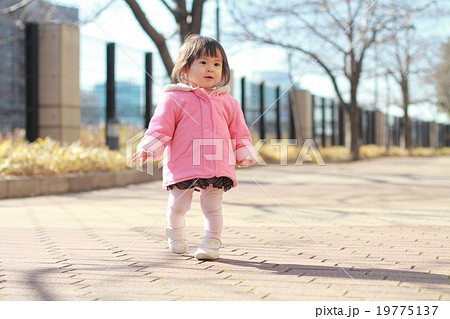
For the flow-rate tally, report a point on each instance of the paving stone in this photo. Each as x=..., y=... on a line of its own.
x=384, y=221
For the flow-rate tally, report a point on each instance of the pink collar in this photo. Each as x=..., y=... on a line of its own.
x=187, y=88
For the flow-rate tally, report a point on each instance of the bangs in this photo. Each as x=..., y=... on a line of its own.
x=210, y=49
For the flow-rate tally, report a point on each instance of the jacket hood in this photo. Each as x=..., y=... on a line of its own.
x=186, y=88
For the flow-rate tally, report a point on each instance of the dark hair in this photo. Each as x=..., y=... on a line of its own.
x=194, y=47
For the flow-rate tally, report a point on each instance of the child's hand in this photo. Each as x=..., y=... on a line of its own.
x=140, y=155
x=245, y=156
x=244, y=163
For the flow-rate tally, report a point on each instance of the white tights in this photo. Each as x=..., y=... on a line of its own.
x=210, y=203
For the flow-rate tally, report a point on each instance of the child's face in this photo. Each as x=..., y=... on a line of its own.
x=205, y=72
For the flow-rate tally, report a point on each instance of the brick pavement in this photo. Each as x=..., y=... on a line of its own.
x=376, y=229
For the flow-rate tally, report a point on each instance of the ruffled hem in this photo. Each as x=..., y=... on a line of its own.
x=221, y=182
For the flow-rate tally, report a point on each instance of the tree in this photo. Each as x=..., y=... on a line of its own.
x=335, y=34
x=403, y=55
x=188, y=21
x=441, y=78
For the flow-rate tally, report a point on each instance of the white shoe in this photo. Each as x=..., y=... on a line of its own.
x=177, y=240
x=209, y=249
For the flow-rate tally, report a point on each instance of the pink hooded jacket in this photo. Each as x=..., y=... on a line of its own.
x=201, y=135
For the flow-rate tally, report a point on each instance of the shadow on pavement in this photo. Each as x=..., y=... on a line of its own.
x=33, y=281
x=338, y=272
x=37, y=282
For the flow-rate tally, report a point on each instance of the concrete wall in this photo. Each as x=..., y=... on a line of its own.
x=25, y=186
x=380, y=129
x=59, y=88
x=434, y=135
x=302, y=102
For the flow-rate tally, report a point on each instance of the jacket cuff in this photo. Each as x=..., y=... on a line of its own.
x=245, y=156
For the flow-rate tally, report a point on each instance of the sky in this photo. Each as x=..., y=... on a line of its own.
x=118, y=24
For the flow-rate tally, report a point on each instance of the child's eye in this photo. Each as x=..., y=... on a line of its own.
x=217, y=64
x=202, y=62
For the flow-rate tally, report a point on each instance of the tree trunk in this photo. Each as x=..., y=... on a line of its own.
x=406, y=120
x=355, y=112
x=191, y=25
x=407, y=128
x=197, y=15
x=355, y=125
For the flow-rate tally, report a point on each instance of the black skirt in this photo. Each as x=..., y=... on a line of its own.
x=221, y=182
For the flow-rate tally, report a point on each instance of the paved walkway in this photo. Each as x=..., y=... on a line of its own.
x=375, y=229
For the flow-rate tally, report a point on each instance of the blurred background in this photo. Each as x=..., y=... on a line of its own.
x=347, y=73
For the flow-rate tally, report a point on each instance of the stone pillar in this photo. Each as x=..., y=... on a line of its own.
x=434, y=135
x=347, y=130
x=59, y=88
x=302, y=103
x=231, y=83
x=380, y=129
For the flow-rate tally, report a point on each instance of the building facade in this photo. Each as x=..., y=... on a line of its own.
x=12, y=54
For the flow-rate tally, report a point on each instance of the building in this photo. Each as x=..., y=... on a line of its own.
x=129, y=104
x=12, y=54
x=12, y=75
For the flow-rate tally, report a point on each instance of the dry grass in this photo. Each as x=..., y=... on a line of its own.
x=49, y=157
x=89, y=154
x=45, y=156
x=276, y=153
x=95, y=136
x=335, y=153
x=272, y=154
x=397, y=151
x=443, y=151
x=371, y=150
x=422, y=151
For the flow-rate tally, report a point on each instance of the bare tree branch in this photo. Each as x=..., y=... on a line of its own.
x=335, y=19
x=315, y=58
x=404, y=52
x=322, y=36
x=15, y=7
x=187, y=22
x=359, y=35
x=168, y=7
x=156, y=37
x=97, y=14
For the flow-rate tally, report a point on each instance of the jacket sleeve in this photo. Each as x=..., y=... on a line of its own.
x=239, y=133
x=161, y=128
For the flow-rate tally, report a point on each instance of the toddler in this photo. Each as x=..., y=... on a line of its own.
x=201, y=130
